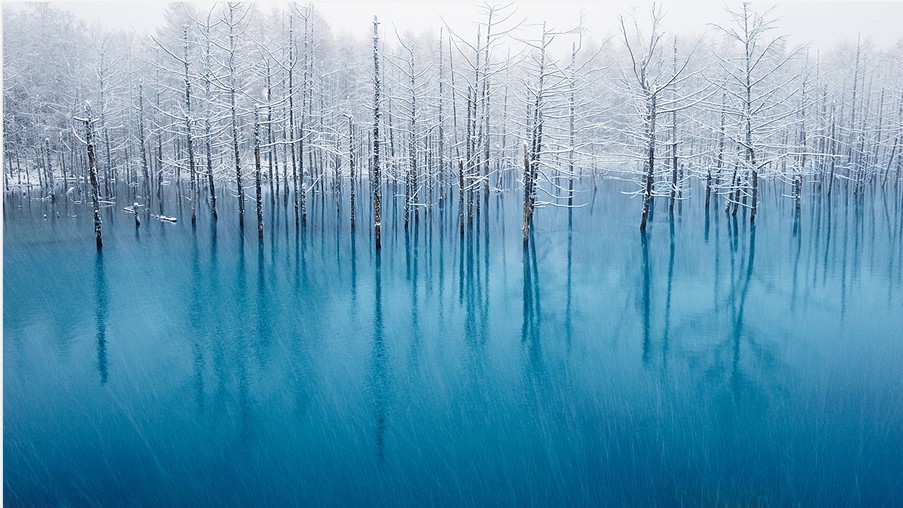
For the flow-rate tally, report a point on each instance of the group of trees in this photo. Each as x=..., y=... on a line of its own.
x=438, y=120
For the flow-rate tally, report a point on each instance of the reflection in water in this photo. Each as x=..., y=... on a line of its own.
x=264, y=333
x=196, y=318
x=472, y=298
x=413, y=282
x=101, y=311
x=532, y=319
x=568, y=324
x=798, y=245
x=241, y=344
x=484, y=285
x=739, y=307
x=267, y=379
x=646, y=298
x=666, y=339
x=379, y=376
x=353, y=273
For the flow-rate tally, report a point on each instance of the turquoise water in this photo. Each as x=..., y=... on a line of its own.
x=705, y=363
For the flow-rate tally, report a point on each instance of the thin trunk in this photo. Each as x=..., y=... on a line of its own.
x=528, y=192
x=257, y=172
x=234, y=118
x=272, y=150
x=142, y=140
x=92, y=171
x=674, y=179
x=650, y=157
x=351, y=168
x=291, y=116
x=207, y=135
x=188, y=141
x=375, y=157
x=441, y=140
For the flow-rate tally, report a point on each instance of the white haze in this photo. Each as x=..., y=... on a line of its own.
x=823, y=24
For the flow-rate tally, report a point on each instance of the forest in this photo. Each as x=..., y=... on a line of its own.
x=264, y=104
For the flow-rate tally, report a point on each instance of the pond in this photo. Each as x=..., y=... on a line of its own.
x=707, y=362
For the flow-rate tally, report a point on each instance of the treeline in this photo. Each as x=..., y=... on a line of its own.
x=260, y=103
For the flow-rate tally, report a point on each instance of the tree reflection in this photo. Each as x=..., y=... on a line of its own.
x=379, y=377
x=568, y=324
x=101, y=313
x=646, y=297
x=532, y=319
x=196, y=317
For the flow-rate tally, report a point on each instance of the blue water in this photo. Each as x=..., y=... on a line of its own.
x=706, y=363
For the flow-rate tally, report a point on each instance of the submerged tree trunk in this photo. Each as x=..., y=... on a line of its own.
x=674, y=175
x=528, y=192
x=92, y=172
x=376, y=170
x=302, y=198
x=234, y=118
x=353, y=185
x=650, y=159
x=210, y=182
x=257, y=172
x=188, y=141
x=50, y=178
x=291, y=116
x=440, y=122
x=142, y=141
x=272, y=150
x=571, y=133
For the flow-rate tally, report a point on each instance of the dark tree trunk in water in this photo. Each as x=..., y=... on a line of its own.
x=257, y=172
x=650, y=161
x=210, y=182
x=50, y=179
x=376, y=177
x=528, y=191
x=234, y=118
x=270, y=136
x=351, y=165
x=193, y=184
x=305, y=87
x=142, y=141
x=92, y=171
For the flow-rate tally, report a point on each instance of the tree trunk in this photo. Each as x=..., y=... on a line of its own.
x=193, y=194
x=375, y=160
x=351, y=168
x=92, y=171
x=257, y=172
x=650, y=158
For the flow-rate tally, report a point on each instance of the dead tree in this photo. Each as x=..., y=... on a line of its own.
x=92, y=173
x=375, y=184
x=259, y=198
x=753, y=99
x=646, y=84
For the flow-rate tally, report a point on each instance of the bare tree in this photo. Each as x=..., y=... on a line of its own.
x=752, y=99
x=375, y=182
x=92, y=171
x=646, y=80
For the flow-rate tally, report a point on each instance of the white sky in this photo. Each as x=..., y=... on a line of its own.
x=822, y=23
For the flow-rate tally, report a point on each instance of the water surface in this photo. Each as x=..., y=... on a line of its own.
x=706, y=362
